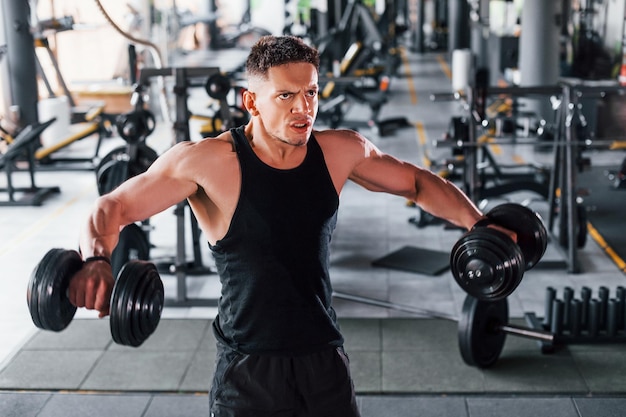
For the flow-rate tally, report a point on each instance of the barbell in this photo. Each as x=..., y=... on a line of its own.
x=136, y=300
x=487, y=263
x=481, y=329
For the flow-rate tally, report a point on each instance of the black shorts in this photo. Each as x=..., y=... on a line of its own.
x=315, y=385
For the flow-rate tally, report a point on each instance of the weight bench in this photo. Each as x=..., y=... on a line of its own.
x=369, y=86
x=22, y=144
x=94, y=123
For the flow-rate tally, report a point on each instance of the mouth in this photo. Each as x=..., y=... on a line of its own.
x=301, y=124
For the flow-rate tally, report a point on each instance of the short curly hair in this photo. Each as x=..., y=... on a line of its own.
x=271, y=51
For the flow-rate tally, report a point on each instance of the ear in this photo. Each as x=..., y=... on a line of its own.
x=249, y=102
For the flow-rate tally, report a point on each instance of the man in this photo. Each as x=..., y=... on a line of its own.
x=266, y=198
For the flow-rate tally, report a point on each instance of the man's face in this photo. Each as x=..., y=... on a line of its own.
x=287, y=102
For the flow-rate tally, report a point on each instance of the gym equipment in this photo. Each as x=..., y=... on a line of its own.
x=339, y=91
x=119, y=165
x=135, y=157
x=487, y=263
x=86, y=120
x=22, y=146
x=482, y=327
x=184, y=78
x=584, y=320
x=136, y=300
x=132, y=244
x=226, y=116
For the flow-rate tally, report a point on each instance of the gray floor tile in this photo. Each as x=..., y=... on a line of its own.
x=199, y=372
x=173, y=335
x=179, y=406
x=376, y=406
x=366, y=370
x=139, y=370
x=96, y=405
x=420, y=335
x=361, y=334
x=424, y=372
x=535, y=374
x=48, y=369
x=80, y=334
x=603, y=371
x=521, y=407
x=601, y=407
x=208, y=341
x=21, y=404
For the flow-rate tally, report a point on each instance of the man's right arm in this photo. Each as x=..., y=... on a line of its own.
x=165, y=184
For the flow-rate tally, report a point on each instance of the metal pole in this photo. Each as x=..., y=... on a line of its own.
x=458, y=25
x=20, y=57
x=539, y=50
x=526, y=332
x=568, y=192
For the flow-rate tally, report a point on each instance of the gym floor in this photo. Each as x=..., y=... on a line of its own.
x=404, y=364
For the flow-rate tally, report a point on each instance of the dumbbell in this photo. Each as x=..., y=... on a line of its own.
x=136, y=301
x=483, y=327
x=136, y=125
x=217, y=86
x=487, y=263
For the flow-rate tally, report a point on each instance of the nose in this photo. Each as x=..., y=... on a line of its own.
x=301, y=104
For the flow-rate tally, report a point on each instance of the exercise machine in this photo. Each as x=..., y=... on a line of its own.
x=20, y=148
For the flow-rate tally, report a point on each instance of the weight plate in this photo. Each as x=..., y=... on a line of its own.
x=532, y=236
x=118, y=320
x=132, y=245
x=137, y=303
x=149, y=304
x=480, y=340
x=217, y=86
x=46, y=295
x=140, y=163
x=486, y=263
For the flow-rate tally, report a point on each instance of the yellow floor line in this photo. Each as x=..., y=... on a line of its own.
x=409, y=77
x=43, y=222
x=444, y=66
x=593, y=232
x=421, y=143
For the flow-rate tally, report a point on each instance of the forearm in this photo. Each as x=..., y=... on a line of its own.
x=100, y=232
x=443, y=199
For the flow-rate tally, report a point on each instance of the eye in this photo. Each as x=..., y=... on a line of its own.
x=312, y=93
x=284, y=96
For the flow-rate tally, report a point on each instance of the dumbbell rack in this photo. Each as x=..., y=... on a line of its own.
x=584, y=320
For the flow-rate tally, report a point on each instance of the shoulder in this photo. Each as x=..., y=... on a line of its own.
x=345, y=141
x=207, y=153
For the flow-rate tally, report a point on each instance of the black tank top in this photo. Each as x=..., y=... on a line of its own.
x=273, y=262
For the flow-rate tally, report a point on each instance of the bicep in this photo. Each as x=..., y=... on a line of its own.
x=162, y=186
x=384, y=173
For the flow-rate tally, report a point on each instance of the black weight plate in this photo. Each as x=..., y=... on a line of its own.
x=46, y=295
x=143, y=159
x=486, y=263
x=217, y=86
x=532, y=236
x=129, y=294
x=132, y=245
x=149, y=304
x=480, y=340
x=118, y=310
